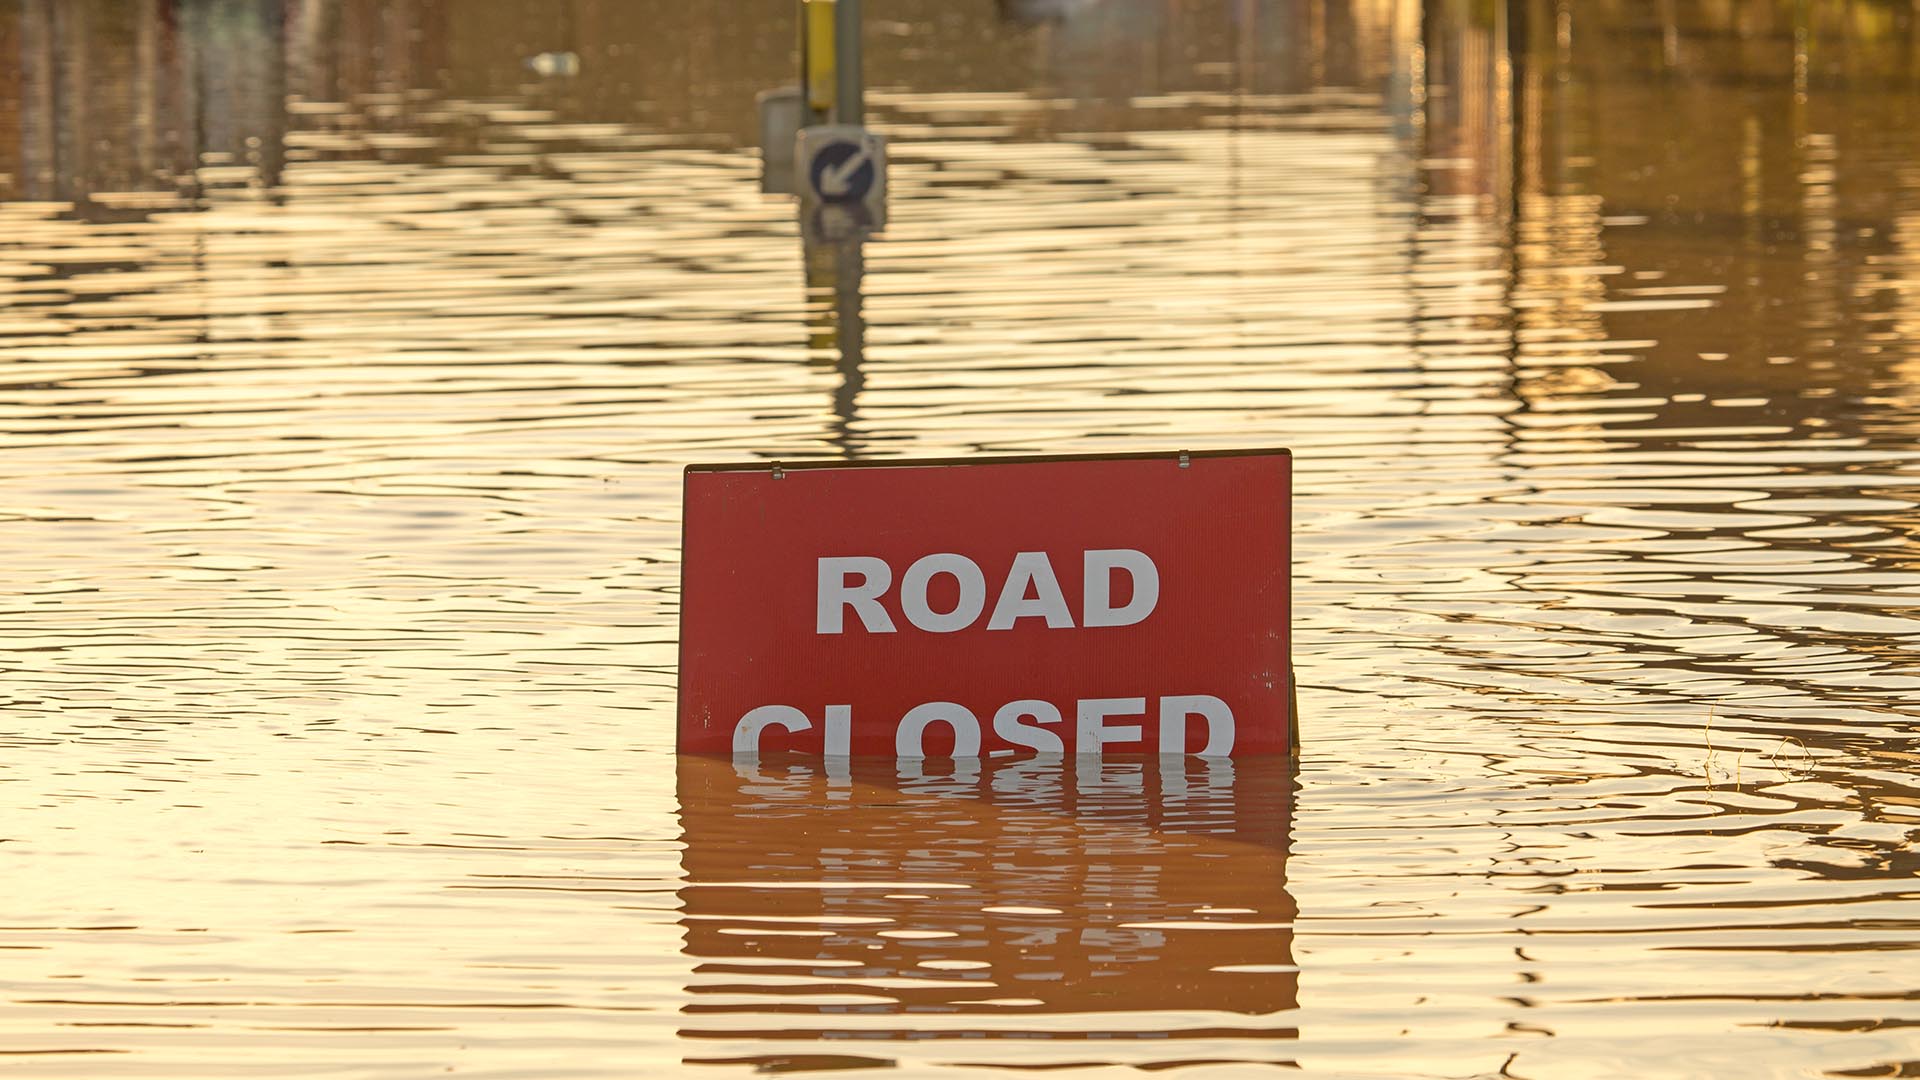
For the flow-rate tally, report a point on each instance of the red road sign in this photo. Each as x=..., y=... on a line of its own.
x=1123, y=604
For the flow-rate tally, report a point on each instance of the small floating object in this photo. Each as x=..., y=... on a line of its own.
x=554, y=64
x=1041, y=11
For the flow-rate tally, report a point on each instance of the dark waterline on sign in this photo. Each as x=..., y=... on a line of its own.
x=351, y=351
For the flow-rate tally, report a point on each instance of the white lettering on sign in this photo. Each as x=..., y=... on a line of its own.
x=913, y=593
x=1007, y=725
x=835, y=594
x=1100, y=565
x=858, y=582
x=1031, y=569
x=1022, y=723
x=1092, y=733
x=1174, y=711
x=746, y=733
x=839, y=733
x=909, y=741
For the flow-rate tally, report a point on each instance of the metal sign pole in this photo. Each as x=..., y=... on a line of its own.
x=849, y=100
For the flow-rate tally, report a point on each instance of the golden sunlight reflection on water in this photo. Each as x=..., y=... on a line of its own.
x=349, y=363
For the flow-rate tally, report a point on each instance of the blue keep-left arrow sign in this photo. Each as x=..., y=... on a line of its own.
x=842, y=171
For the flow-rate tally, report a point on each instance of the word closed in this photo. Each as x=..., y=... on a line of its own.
x=1135, y=604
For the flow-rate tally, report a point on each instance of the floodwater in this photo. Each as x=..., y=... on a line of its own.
x=351, y=351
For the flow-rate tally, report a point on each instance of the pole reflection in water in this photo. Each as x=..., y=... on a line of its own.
x=833, y=243
x=1141, y=903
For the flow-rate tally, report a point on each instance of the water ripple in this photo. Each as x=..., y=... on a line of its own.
x=349, y=363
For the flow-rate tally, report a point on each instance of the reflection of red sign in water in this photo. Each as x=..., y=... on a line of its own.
x=1131, y=604
x=1056, y=905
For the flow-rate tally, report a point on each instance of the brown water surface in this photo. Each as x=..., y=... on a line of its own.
x=349, y=362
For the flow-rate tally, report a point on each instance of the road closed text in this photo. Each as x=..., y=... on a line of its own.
x=848, y=597
x=1031, y=591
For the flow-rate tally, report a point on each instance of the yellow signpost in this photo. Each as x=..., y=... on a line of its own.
x=820, y=58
